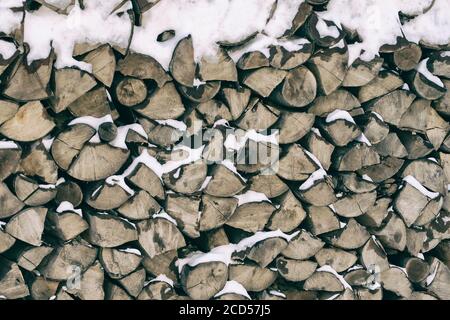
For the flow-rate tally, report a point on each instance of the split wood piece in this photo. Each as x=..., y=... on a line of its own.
x=304, y=11
x=214, y=151
x=134, y=282
x=393, y=233
x=143, y=67
x=384, y=83
x=439, y=283
x=366, y=294
x=140, y=206
x=383, y=170
x=355, y=205
x=339, y=260
x=214, y=110
x=216, y=211
x=396, y=281
x=97, y=161
x=90, y=284
x=303, y=246
x=264, y=80
x=93, y=103
x=320, y=193
x=187, y=179
x=252, y=216
x=12, y=283
x=352, y=236
x=295, y=270
x=107, y=132
x=157, y=290
x=321, y=220
x=298, y=294
x=442, y=105
x=323, y=281
x=29, y=258
x=329, y=67
x=341, y=132
x=27, y=83
x=320, y=148
x=9, y=204
x=425, y=88
x=293, y=126
x=281, y=58
x=103, y=64
x=144, y=178
x=164, y=103
x=66, y=225
x=373, y=257
x=30, y=123
x=362, y=72
x=157, y=236
x=224, y=182
x=271, y=185
x=67, y=259
x=117, y=263
x=182, y=66
x=375, y=129
x=202, y=92
x=416, y=269
x=38, y=163
x=295, y=164
x=5, y=63
x=218, y=67
x=70, y=84
x=161, y=135
x=289, y=215
x=416, y=146
x=131, y=91
x=340, y=99
x=253, y=60
x=106, y=197
x=354, y=183
x=213, y=238
x=108, y=231
x=315, y=35
x=428, y=173
x=28, y=225
x=438, y=64
x=236, y=99
x=186, y=211
x=407, y=57
x=43, y=289
x=375, y=215
x=204, y=280
x=265, y=251
x=383, y=106
x=298, y=89
x=359, y=278
x=29, y=192
x=356, y=157
x=415, y=240
x=6, y=241
x=252, y=277
x=68, y=144
x=258, y=116
x=7, y=110
x=161, y=264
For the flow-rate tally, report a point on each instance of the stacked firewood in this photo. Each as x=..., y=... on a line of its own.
x=133, y=182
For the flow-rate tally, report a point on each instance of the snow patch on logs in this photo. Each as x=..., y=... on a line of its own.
x=233, y=287
x=417, y=185
x=66, y=206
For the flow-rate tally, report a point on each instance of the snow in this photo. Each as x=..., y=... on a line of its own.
x=48, y=142
x=230, y=165
x=282, y=17
x=445, y=54
x=277, y=293
x=131, y=250
x=164, y=215
x=377, y=115
x=7, y=49
x=179, y=125
x=367, y=178
x=8, y=145
x=327, y=268
x=238, y=139
x=52, y=186
x=66, y=206
x=362, y=138
x=197, y=82
x=417, y=185
x=206, y=182
x=2, y=223
x=224, y=253
x=251, y=196
x=423, y=70
x=432, y=275
x=94, y=123
x=313, y=178
x=316, y=131
x=9, y=20
x=339, y=114
x=233, y=286
x=122, y=131
x=162, y=278
x=325, y=30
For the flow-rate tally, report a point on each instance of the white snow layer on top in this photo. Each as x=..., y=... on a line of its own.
x=417, y=185
x=8, y=145
x=7, y=49
x=233, y=286
x=423, y=70
x=251, y=196
x=9, y=20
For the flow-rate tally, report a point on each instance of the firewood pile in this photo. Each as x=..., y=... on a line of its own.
x=286, y=174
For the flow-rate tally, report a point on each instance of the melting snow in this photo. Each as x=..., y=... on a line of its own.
x=233, y=286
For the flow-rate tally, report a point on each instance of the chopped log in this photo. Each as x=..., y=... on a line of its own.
x=375, y=130
x=114, y=292
x=70, y=84
x=321, y=220
x=416, y=269
x=90, y=284
x=29, y=192
x=66, y=225
x=118, y=263
x=295, y=270
x=320, y=193
x=375, y=215
x=428, y=173
x=355, y=205
x=264, y=80
x=383, y=84
x=186, y=211
x=202, y=92
x=439, y=280
x=303, y=246
x=131, y=91
x=103, y=64
x=319, y=147
x=362, y=72
x=213, y=110
x=407, y=57
x=324, y=33
x=106, y=197
x=296, y=165
x=341, y=132
x=164, y=103
x=366, y=294
x=323, y=281
x=214, y=238
x=356, y=157
x=140, y=206
x=329, y=67
x=38, y=163
x=204, y=280
x=252, y=277
x=382, y=106
x=12, y=283
x=93, y=103
x=216, y=211
x=379, y=172
x=143, y=67
x=426, y=88
x=224, y=182
x=252, y=216
x=28, y=225
x=396, y=281
x=219, y=67
x=60, y=263
x=258, y=116
x=7, y=110
x=442, y=105
x=29, y=258
x=304, y=11
x=6, y=241
x=281, y=58
x=415, y=241
x=352, y=236
x=393, y=233
x=271, y=185
x=265, y=251
x=108, y=231
x=293, y=126
x=339, y=99
x=30, y=123
x=144, y=178
x=289, y=215
x=165, y=232
x=373, y=257
x=9, y=159
x=134, y=282
x=354, y=183
x=236, y=100
x=253, y=60
x=157, y=290
x=339, y=260
x=298, y=89
x=161, y=264
x=182, y=66
x=43, y=289
x=9, y=204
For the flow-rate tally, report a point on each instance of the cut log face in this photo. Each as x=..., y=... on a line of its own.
x=264, y=80
x=43, y=289
x=271, y=185
x=253, y=60
x=289, y=215
x=31, y=257
x=322, y=220
x=182, y=66
x=28, y=191
x=295, y=270
x=339, y=260
x=362, y=72
x=106, y=197
x=204, y=280
x=103, y=64
x=216, y=211
x=9, y=204
x=383, y=84
x=264, y=252
x=6, y=241
x=303, y=246
x=257, y=116
x=91, y=284
x=12, y=283
x=251, y=217
x=323, y=281
x=108, y=231
x=131, y=91
x=252, y=276
x=220, y=67
x=293, y=126
x=186, y=211
x=295, y=165
x=161, y=264
x=28, y=225
x=94, y=103
x=407, y=57
x=224, y=182
x=283, y=59
x=352, y=236
x=395, y=280
x=30, y=123
x=38, y=163
x=339, y=99
x=236, y=100
x=9, y=158
x=393, y=233
x=7, y=110
x=187, y=179
x=165, y=103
